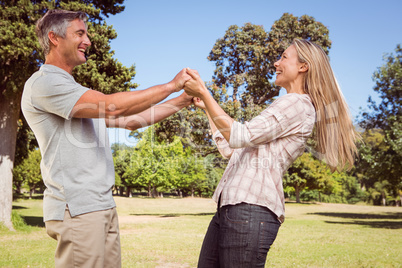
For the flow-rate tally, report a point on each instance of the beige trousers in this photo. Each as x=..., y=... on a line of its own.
x=87, y=240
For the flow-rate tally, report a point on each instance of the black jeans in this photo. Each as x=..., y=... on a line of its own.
x=239, y=236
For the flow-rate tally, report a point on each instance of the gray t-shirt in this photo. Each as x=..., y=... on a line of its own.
x=77, y=163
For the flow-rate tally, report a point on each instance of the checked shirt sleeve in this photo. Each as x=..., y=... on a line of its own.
x=282, y=118
x=222, y=144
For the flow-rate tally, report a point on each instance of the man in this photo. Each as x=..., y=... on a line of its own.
x=69, y=122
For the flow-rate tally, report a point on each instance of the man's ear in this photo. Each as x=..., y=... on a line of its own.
x=304, y=67
x=53, y=38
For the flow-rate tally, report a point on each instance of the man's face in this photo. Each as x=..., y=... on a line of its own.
x=72, y=48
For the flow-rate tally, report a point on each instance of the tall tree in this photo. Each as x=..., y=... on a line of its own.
x=20, y=56
x=241, y=60
x=386, y=116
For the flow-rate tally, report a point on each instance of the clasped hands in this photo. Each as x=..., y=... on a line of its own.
x=195, y=87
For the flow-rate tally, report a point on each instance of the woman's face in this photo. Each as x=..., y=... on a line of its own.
x=288, y=68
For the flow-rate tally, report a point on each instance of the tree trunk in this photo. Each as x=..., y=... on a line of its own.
x=297, y=192
x=129, y=193
x=18, y=188
x=154, y=192
x=31, y=191
x=9, y=115
x=149, y=190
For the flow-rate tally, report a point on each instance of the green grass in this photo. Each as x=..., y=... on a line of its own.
x=168, y=232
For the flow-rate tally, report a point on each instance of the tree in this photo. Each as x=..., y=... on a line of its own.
x=29, y=171
x=153, y=164
x=307, y=172
x=20, y=56
x=122, y=155
x=241, y=59
x=382, y=161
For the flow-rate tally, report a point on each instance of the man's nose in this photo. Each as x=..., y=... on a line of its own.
x=87, y=41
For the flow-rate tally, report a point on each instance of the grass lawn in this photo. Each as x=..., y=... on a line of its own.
x=168, y=232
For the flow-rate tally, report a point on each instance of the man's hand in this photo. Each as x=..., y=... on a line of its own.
x=195, y=86
x=178, y=81
x=187, y=99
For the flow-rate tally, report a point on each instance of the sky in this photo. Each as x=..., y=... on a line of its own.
x=162, y=37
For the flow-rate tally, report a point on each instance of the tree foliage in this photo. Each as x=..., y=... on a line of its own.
x=28, y=172
x=381, y=155
x=156, y=166
x=307, y=172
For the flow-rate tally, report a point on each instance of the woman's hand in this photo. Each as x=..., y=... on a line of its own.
x=198, y=103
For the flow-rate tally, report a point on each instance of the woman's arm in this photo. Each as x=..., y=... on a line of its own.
x=221, y=143
x=196, y=87
x=288, y=115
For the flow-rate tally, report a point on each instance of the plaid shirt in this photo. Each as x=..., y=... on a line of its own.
x=261, y=151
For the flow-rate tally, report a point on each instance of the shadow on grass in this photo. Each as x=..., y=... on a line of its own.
x=373, y=224
x=365, y=219
x=301, y=203
x=171, y=215
x=17, y=196
x=34, y=221
x=366, y=216
x=19, y=207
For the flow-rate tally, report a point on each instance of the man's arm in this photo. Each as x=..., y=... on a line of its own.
x=152, y=115
x=94, y=104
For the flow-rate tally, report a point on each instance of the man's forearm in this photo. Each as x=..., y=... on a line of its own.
x=94, y=104
x=130, y=103
x=150, y=116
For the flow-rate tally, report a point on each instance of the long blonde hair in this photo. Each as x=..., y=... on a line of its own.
x=334, y=134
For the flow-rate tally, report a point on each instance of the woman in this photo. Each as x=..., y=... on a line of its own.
x=250, y=194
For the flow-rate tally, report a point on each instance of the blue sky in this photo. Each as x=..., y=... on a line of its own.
x=162, y=37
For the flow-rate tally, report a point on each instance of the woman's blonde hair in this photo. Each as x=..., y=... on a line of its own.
x=334, y=134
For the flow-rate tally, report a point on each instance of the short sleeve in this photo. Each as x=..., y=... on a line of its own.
x=56, y=93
